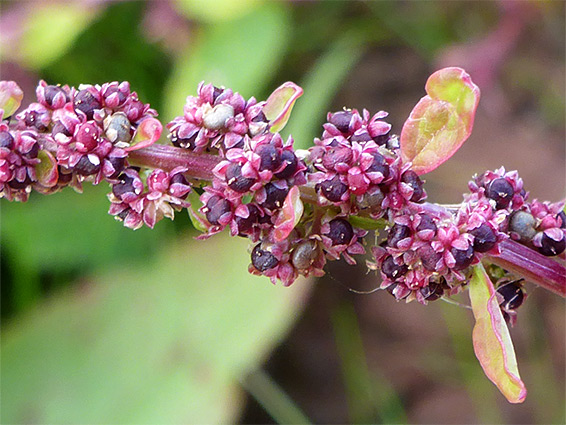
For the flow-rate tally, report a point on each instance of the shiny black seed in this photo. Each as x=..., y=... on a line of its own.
x=341, y=120
x=433, y=291
x=235, y=179
x=87, y=103
x=513, y=295
x=216, y=207
x=85, y=167
x=260, y=117
x=33, y=119
x=262, y=259
x=51, y=92
x=58, y=127
x=270, y=157
x=427, y=223
x=333, y=189
x=523, y=224
x=463, y=257
x=216, y=92
x=362, y=137
x=336, y=155
x=393, y=270
x=187, y=143
x=550, y=247
x=305, y=254
x=413, y=179
x=275, y=196
x=397, y=233
x=126, y=185
x=341, y=231
x=118, y=164
x=429, y=257
x=291, y=162
x=245, y=225
x=15, y=184
x=501, y=191
x=484, y=238
x=379, y=164
x=6, y=140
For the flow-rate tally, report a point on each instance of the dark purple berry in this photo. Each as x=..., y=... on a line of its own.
x=463, y=257
x=187, y=143
x=305, y=254
x=393, y=270
x=550, y=247
x=236, y=181
x=58, y=127
x=501, y=191
x=523, y=224
x=429, y=257
x=275, y=196
x=215, y=208
x=484, y=238
x=245, y=225
x=562, y=217
x=118, y=164
x=381, y=139
x=126, y=185
x=380, y=165
x=6, y=140
x=413, y=180
x=341, y=232
x=336, y=155
x=291, y=162
x=33, y=119
x=361, y=137
x=86, y=102
x=427, y=223
x=397, y=233
x=341, y=120
x=434, y=290
x=262, y=259
x=512, y=294
x=88, y=165
x=333, y=189
x=270, y=157
x=51, y=92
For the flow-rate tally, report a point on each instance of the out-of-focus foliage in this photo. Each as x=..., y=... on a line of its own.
x=164, y=343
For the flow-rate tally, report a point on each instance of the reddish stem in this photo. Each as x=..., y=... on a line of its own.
x=168, y=157
x=543, y=271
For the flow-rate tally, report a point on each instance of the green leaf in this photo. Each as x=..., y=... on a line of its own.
x=280, y=103
x=50, y=30
x=11, y=96
x=46, y=170
x=240, y=54
x=367, y=223
x=492, y=341
x=441, y=121
x=163, y=342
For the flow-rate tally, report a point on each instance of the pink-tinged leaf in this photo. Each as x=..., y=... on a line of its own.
x=492, y=341
x=147, y=133
x=289, y=216
x=279, y=104
x=46, y=170
x=441, y=121
x=11, y=96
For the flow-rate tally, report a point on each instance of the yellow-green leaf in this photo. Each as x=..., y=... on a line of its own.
x=492, y=341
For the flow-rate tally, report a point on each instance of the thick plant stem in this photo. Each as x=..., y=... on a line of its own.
x=168, y=157
x=543, y=271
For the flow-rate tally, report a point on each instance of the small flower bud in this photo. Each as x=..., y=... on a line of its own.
x=341, y=120
x=87, y=137
x=215, y=208
x=341, y=232
x=397, y=233
x=235, y=180
x=215, y=118
x=484, y=238
x=291, y=162
x=463, y=257
x=118, y=128
x=275, y=196
x=270, y=158
x=88, y=165
x=393, y=270
x=86, y=102
x=412, y=179
x=332, y=189
x=511, y=295
x=551, y=247
x=501, y=191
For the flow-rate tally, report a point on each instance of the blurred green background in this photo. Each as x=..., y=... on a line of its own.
x=101, y=324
